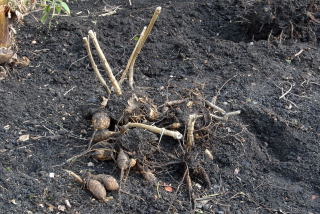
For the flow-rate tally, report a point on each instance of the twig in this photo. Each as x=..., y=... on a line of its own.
x=175, y=134
x=177, y=189
x=94, y=66
x=226, y=116
x=76, y=177
x=91, y=139
x=140, y=44
x=105, y=63
x=189, y=183
x=215, y=107
x=287, y=92
x=175, y=102
x=232, y=113
x=74, y=158
x=214, y=99
x=67, y=92
x=130, y=194
x=190, y=137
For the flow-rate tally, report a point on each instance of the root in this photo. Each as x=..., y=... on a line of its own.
x=175, y=134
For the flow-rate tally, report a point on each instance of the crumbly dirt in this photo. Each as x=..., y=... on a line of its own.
x=265, y=160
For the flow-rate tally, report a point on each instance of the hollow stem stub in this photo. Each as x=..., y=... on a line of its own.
x=105, y=63
x=94, y=66
x=175, y=134
x=190, y=136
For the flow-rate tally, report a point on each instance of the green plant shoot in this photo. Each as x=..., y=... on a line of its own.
x=52, y=8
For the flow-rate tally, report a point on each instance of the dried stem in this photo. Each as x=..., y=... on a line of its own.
x=175, y=134
x=76, y=177
x=140, y=44
x=94, y=66
x=190, y=137
x=226, y=116
x=175, y=102
x=134, y=56
x=105, y=64
x=215, y=107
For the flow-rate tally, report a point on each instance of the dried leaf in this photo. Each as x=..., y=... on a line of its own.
x=132, y=105
x=24, y=138
x=153, y=114
x=168, y=188
x=5, y=55
x=104, y=102
x=22, y=62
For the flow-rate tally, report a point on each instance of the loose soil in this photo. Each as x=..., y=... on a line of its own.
x=265, y=160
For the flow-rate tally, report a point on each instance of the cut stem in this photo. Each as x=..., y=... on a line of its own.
x=226, y=116
x=140, y=44
x=105, y=64
x=175, y=134
x=190, y=136
x=134, y=56
x=94, y=65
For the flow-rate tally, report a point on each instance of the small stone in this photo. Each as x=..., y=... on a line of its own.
x=90, y=164
x=67, y=202
x=51, y=175
x=62, y=208
x=208, y=154
x=198, y=185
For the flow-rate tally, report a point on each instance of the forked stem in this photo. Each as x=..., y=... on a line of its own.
x=140, y=44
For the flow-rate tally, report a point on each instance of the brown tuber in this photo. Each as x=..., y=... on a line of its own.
x=103, y=135
x=109, y=182
x=149, y=176
x=103, y=154
x=100, y=120
x=122, y=162
x=97, y=190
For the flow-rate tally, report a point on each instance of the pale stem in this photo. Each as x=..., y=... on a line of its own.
x=94, y=66
x=175, y=134
x=105, y=63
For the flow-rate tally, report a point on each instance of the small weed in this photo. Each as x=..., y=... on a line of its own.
x=52, y=8
x=8, y=169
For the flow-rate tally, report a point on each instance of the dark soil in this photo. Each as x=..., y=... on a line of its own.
x=266, y=160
